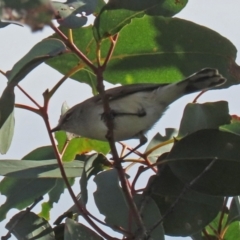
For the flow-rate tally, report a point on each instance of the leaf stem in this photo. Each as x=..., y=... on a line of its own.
x=70, y=35
x=198, y=96
x=62, y=80
x=111, y=50
x=3, y=73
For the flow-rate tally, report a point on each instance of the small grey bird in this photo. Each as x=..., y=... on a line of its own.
x=135, y=108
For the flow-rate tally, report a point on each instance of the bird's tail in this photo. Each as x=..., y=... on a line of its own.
x=204, y=79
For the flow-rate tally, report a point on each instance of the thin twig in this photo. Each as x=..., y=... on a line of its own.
x=117, y=161
x=22, y=106
x=130, y=149
x=73, y=47
x=111, y=50
x=187, y=186
x=3, y=73
x=81, y=208
x=198, y=96
x=141, y=169
x=63, y=79
x=28, y=96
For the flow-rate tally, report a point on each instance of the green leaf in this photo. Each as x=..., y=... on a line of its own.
x=190, y=158
x=111, y=202
x=153, y=49
x=156, y=49
x=39, y=169
x=74, y=230
x=29, y=226
x=204, y=116
x=21, y=192
x=42, y=51
x=192, y=211
x=212, y=228
x=232, y=231
x=83, y=145
x=116, y=14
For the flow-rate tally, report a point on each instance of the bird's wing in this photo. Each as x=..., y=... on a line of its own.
x=122, y=91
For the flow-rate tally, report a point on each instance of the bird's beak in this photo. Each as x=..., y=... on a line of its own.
x=57, y=128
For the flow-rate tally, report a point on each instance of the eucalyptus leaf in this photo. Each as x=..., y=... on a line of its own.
x=204, y=116
x=118, y=13
x=74, y=230
x=153, y=49
x=28, y=225
x=211, y=157
x=187, y=211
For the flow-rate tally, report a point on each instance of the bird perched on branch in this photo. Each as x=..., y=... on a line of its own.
x=134, y=108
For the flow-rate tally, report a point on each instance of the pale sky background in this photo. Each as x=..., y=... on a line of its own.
x=220, y=15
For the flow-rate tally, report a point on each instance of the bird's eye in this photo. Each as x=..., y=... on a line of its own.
x=67, y=117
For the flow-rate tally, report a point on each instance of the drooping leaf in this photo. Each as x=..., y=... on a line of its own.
x=21, y=192
x=210, y=156
x=111, y=202
x=154, y=49
x=42, y=51
x=29, y=226
x=188, y=211
x=39, y=169
x=46, y=49
x=74, y=230
x=6, y=133
x=204, y=116
x=116, y=14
